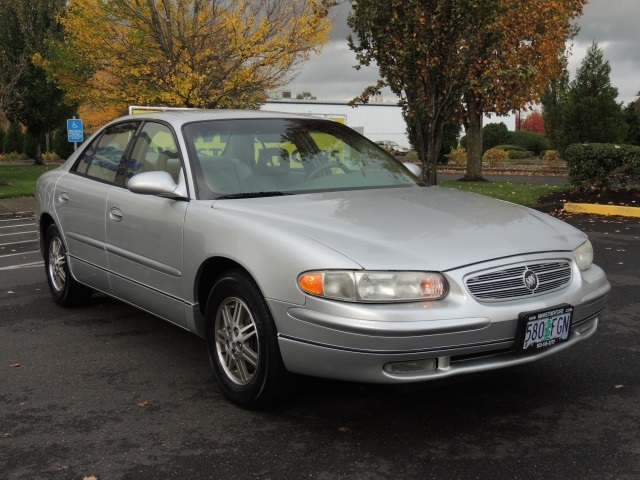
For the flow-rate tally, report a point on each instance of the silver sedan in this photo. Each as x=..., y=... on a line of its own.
x=293, y=244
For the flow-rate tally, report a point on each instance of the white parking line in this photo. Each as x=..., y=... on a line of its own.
x=30, y=220
x=29, y=225
x=21, y=253
x=24, y=265
x=17, y=233
x=16, y=243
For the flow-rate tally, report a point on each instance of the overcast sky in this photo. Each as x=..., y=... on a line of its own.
x=612, y=23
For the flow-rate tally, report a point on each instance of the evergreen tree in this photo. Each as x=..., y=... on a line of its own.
x=591, y=113
x=553, y=102
x=632, y=119
x=29, y=146
x=60, y=144
x=2, y=134
x=13, y=139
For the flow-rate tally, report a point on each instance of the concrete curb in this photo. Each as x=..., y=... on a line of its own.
x=596, y=209
x=17, y=206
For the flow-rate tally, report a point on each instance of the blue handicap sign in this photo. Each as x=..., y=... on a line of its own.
x=75, y=132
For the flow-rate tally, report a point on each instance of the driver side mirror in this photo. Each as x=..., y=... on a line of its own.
x=157, y=183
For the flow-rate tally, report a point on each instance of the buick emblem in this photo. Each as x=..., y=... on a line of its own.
x=530, y=280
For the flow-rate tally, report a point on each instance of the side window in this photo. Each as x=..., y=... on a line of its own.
x=102, y=159
x=155, y=150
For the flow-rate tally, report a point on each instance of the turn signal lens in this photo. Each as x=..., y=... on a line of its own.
x=374, y=287
x=311, y=283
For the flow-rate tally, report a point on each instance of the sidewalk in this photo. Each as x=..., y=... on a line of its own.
x=17, y=206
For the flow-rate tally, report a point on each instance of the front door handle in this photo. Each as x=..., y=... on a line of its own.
x=115, y=214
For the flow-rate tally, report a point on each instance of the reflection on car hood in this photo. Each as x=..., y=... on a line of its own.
x=412, y=228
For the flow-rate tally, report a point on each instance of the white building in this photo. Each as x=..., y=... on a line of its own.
x=376, y=121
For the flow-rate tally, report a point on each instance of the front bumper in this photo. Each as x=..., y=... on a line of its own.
x=354, y=342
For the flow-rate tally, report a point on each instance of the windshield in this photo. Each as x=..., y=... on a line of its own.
x=254, y=156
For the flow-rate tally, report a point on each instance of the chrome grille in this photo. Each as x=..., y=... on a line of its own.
x=509, y=283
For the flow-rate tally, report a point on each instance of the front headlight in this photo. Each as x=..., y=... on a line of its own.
x=374, y=287
x=584, y=255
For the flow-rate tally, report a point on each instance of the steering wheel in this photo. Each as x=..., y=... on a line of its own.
x=327, y=166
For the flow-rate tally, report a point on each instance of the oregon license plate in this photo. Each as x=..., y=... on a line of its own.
x=544, y=329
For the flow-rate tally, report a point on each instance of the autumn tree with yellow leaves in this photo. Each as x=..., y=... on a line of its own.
x=460, y=59
x=517, y=69
x=188, y=53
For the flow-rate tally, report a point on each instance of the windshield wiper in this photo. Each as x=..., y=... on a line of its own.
x=252, y=195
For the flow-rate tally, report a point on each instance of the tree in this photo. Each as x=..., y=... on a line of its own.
x=60, y=144
x=632, y=119
x=305, y=96
x=188, y=53
x=591, y=113
x=24, y=25
x=13, y=139
x=424, y=50
x=450, y=134
x=516, y=69
x=534, y=122
x=29, y=145
x=553, y=101
x=10, y=75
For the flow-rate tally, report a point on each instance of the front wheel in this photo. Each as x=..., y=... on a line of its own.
x=65, y=290
x=242, y=342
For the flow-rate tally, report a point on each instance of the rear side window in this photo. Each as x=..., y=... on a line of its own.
x=102, y=158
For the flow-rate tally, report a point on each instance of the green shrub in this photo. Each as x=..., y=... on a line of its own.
x=13, y=139
x=509, y=148
x=2, y=134
x=519, y=155
x=463, y=141
x=531, y=141
x=494, y=134
x=603, y=165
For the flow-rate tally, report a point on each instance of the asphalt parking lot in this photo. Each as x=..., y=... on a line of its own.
x=108, y=391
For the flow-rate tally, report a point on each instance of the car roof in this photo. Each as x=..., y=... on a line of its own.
x=181, y=117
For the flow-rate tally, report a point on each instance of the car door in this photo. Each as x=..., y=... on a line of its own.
x=81, y=198
x=145, y=232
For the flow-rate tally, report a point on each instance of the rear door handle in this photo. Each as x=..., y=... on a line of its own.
x=63, y=197
x=115, y=214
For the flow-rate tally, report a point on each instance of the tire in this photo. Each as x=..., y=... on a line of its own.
x=66, y=291
x=242, y=342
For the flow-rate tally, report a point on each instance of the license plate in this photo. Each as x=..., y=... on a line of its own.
x=545, y=329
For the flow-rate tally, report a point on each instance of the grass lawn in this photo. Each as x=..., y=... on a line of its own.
x=20, y=180
x=521, y=193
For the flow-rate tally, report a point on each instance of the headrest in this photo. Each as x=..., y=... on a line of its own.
x=273, y=161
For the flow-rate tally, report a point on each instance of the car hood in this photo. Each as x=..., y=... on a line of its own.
x=429, y=228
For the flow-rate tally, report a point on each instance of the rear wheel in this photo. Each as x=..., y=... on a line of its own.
x=65, y=290
x=242, y=342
